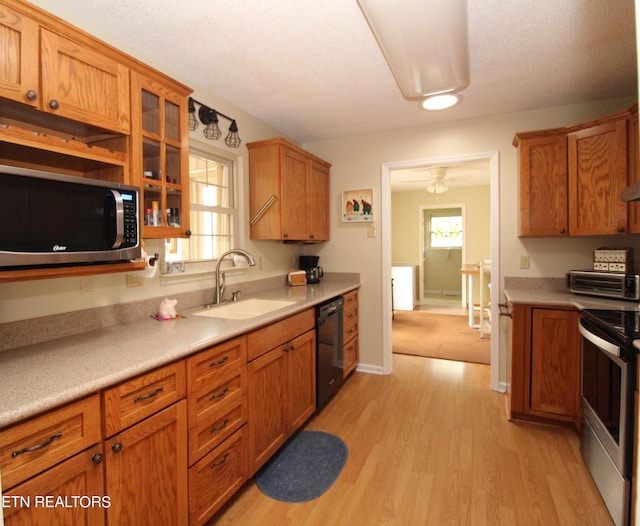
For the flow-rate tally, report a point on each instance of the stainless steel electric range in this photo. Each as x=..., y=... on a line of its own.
x=608, y=384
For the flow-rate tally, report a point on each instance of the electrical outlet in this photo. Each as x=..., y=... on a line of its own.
x=524, y=262
x=371, y=230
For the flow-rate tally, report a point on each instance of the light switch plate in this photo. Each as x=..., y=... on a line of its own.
x=524, y=262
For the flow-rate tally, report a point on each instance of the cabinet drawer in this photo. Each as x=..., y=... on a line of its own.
x=217, y=395
x=218, y=361
x=350, y=325
x=39, y=443
x=350, y=356
x=78, y=476
x=209, y=432
x=350, y=299
x=263, y=340
x=135, y=399
x=214, y=479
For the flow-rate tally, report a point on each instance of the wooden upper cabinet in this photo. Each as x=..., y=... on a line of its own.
x=634, y=170
x=84, y=85
x=160, y=154
x=19, y=68
x=598, y=167
x=542, y=161
x=288, y=192
x=295, y=195
x=319, y=201
x=570, y=179
x=60, y=75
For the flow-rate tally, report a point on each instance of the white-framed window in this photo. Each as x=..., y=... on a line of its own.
x=213, y=210
x=445, y=231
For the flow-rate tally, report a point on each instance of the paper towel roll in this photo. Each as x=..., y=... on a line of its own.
x=151, y=266
x=150, y=269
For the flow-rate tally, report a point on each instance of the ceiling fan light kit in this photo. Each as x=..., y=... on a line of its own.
x=436, y=187
x=425, y=43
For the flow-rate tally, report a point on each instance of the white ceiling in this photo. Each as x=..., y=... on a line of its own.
x=312, y=69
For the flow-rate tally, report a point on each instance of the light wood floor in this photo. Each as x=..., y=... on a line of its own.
x=430, y=445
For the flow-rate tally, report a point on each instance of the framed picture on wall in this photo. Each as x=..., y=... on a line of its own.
x=357, y=206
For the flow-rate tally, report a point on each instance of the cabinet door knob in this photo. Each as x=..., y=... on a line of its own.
x=563, y=231
x=622, y=229
x=117, y=447
x=32, y=95
x=54, y=104
x=188, y=232
x=97, y=458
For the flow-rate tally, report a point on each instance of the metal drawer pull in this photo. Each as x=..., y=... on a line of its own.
x=150, y=395
x=41, y=445
x=224, y=424
x=219, y=395
x=217, y=463
x=219, y=362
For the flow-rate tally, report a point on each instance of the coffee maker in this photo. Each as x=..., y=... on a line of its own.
x=310, y=266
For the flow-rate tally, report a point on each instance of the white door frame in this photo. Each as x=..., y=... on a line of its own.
x=422, y=248
x=385, y=239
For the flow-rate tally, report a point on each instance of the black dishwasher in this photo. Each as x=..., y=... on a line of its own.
x=328, y=349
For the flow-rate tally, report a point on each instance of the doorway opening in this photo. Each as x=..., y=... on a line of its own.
x=442, y=250
x=387, y=261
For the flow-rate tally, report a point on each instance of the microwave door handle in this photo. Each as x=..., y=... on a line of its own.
x=119, y=217
x=603, y=344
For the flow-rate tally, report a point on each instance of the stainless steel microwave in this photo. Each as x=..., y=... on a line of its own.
x=53, y=219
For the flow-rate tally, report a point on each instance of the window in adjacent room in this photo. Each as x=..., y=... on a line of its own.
x=445, y=231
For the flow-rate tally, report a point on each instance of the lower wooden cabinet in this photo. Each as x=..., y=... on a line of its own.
x=69, y=493
x=545, y=364
x=217, y=400
x=281, y=396
x=146, y=470
x=172, y=445
x=350, y=351
x=31, y=447
x=217, y=476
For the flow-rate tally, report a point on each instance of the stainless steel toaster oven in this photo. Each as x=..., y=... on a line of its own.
x=605, y=284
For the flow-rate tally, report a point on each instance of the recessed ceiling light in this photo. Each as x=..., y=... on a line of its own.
x=440, y=102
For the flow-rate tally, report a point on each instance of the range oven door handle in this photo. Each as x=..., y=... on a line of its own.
x=603, y=344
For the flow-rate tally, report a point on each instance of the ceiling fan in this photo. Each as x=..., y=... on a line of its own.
x=437, y=185
x=435, y=178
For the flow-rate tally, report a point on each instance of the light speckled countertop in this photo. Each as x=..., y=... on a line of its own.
x=566, y=299
x=38, y=377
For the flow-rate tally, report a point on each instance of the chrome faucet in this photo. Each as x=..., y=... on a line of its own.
x=220, y=282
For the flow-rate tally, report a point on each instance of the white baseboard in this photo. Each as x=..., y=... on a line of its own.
x=370, y=369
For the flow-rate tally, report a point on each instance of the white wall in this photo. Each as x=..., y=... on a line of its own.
x=357, y=164
x=405, y=231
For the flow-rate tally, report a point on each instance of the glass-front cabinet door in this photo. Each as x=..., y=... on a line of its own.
x=160, y=157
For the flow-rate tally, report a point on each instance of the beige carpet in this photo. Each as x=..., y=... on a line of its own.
x=439, y=336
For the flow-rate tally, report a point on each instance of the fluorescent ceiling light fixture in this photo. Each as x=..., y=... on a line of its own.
x=425, y=43
x=440, y=102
